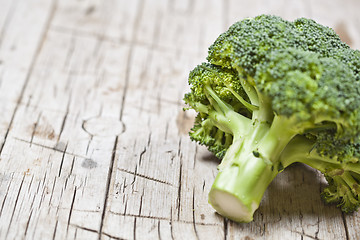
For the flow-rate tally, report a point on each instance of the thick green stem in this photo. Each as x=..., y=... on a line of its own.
x=298, y=149
x=301, y=149
x=274, y=142
x=238, y=189
x=244, y=139
x=248, y=167
x=243, y=175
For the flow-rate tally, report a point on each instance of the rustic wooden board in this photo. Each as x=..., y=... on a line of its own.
x=93, y=138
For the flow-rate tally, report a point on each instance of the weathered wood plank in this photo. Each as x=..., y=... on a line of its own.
x=21, y=37
x=65, y=141
x=96, y=143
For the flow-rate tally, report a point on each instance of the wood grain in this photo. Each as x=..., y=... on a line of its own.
x=93, y=139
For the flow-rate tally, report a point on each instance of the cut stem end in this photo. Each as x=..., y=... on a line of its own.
x=231, y=207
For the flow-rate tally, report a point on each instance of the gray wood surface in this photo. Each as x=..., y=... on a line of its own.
x=93, y=139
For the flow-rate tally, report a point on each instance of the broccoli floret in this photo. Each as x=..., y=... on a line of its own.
x=267, y=82
x=337, y=160
x=206, y=133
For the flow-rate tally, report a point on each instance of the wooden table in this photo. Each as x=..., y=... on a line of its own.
x=93, y=138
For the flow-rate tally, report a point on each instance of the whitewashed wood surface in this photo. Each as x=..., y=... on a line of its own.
x=93, y=139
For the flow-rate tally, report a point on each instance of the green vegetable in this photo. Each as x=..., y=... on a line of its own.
x=272, y=93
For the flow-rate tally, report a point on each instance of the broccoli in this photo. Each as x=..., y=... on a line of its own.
x=275, y=92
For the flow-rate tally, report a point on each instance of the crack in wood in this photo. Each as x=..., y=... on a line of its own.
x=112, y=237
x=27, y=104
x=72, y=166
x=179, y=191
x=149, y=138
x=75, y=234
x=107, y=187
x=66, y=183
x=5, y=197
x=159, y=230
x=67, y=111
x=134, y=229
x=31, y=182
x=133, y=181
x=15, y=206
x=84, y=228
x=193, y=214
x=38, y=187
x=51, y=148
x=125, y=207
x=226, y=228
x=32, y=202
x=124, y=187
x=195, y=156
x=318, y=227
x=139, y=213
x=28, y=222
x=138, y=216
x=143, y=176
x=343, y=217
x=169, y=219
x=75, y=210
x=71, y=209
x=142, y=155
x=55, y=229
x=88, y=145
x=171, y=223
x=62, y=160
x=306, y=235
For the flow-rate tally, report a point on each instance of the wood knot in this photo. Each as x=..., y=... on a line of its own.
x=103, y=126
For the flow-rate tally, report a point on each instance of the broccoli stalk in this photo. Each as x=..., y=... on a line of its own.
x=251, y=162
x=243, y=174
x=242, y=179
